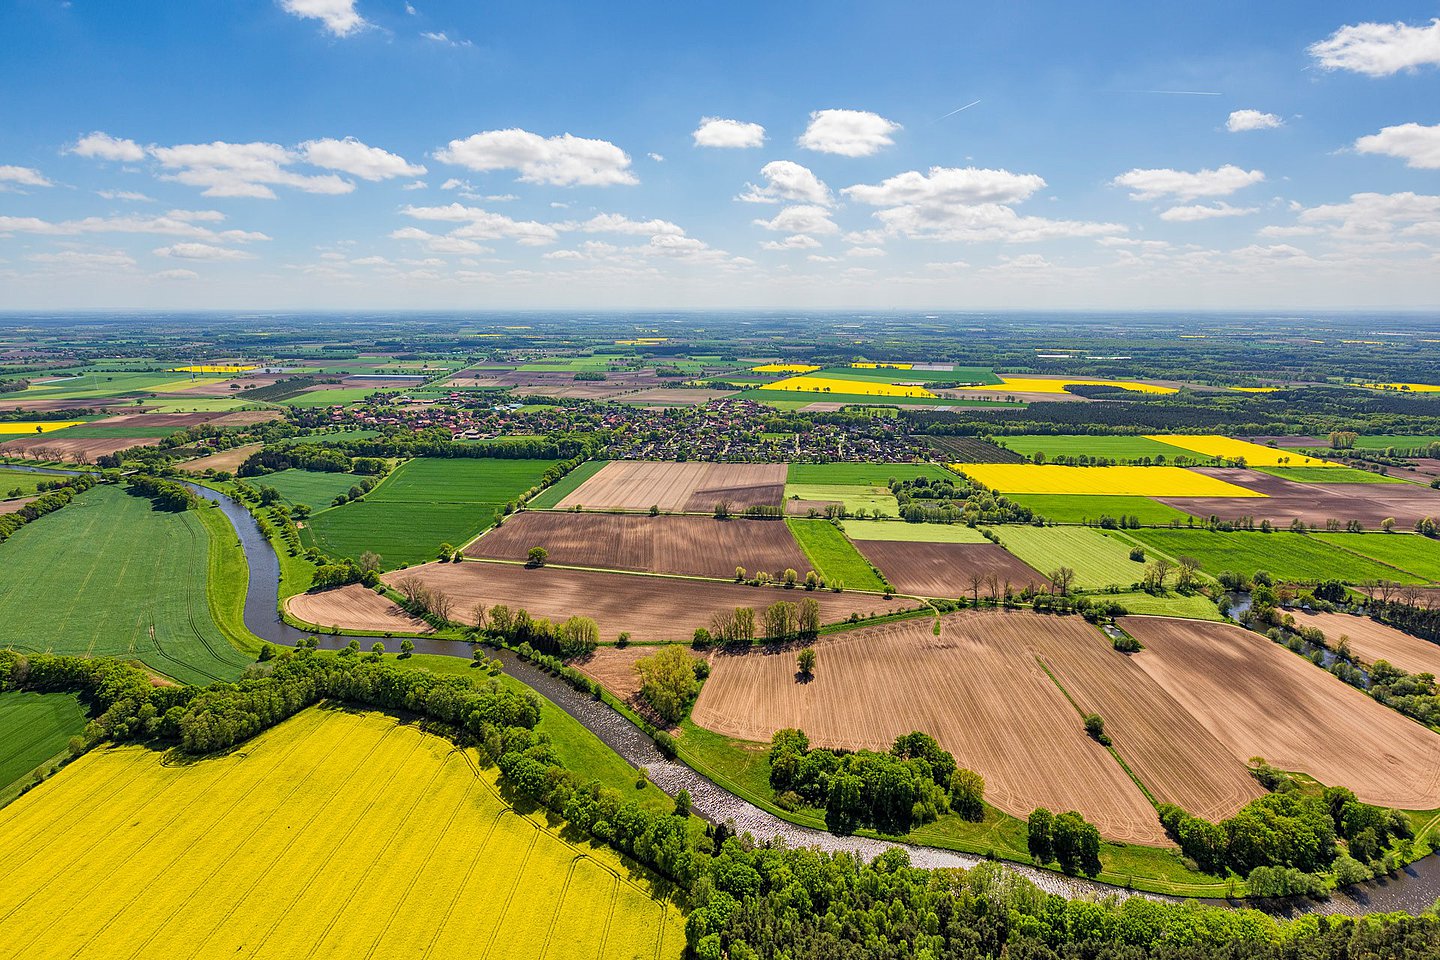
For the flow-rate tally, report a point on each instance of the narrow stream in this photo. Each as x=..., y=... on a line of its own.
x=1414, y=890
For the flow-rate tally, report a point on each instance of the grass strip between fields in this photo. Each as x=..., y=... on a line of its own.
x=833, y=556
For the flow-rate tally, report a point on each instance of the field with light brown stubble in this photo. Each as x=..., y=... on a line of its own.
x=1371, y=641
x=679, y=487
x=356, y=607
x=1259, y=699
x=978, y=688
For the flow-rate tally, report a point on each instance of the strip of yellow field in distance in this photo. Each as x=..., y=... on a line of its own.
x=37, y=426
x=886, y=366
x=1404, y=387
x=784, y=368
x=1253, y=389
x=1225, y=448
x=1100, y=481
x=214, y=368
x=824, y=385
x=1038, y=385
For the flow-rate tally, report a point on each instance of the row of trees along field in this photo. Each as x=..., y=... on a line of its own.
x=46, y=503
x=745, y=900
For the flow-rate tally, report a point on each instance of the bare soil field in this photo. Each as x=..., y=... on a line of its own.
x=13, y=506
x=648, y=608
x=690, y=546
x=227, y=460
x=162, y=421
x=944, y=569
x=1291, y=443
x=79, y=449
x=977, y=688
x=1259, y=699
x=1369, y=503
x=674, y=397
x=244, y=418
x=614, y=669
x=1425, y=470
x=354, y=607
x=802, y=508
x=680, y=487
x=1373, y=641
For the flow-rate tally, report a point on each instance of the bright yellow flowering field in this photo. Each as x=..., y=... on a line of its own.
x=886, y=366
x=1113, y=481
x=1038, y=385
x=784, y=368
x=30, y=426
x=822, y=385
x=214, y=368
x=1410, y=387
x=1255, y=454
x=336, y=834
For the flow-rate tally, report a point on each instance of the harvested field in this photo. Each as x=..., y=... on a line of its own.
x=648, y=608
x=244, y=418
x=691, y=546
x=1259, y=699
x=336, y=834
x=164, y=421
x=912, y=532
x=673, y=397
x=77, y=449
x=1371, y=640
x=1314, y=503
x=944, y=569
x=227, y=460
x=357, y=607
x=977, y=688
x=614, y=669
x=680, y=487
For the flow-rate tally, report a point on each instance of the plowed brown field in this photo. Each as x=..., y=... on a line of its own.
x=353, y=607
x=680, y=487
x=1259, y=699
x=614, y=668
x=1314, y=503
x=79, y=449
x=944, y=569
x=648, y=608
x=1373, y=641
x=692, y=546
x=978, y=688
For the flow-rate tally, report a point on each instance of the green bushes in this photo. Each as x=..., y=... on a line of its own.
x=1069, y=840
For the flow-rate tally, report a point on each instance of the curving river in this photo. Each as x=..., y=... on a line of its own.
x=1414, y=890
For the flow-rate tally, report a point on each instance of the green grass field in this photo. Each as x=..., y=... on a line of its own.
x=551, y=496
x=1402, y=442
x=109, y=576
x=99, y=431
x=95, y=384
x=834, y=557
x=1098, y=560
x=1409, y=552
x=1326, y=475
x=21, y=480
x=315, y=490
x=899, y=530
x=1287, y=556
x=326, y=398
x=1086, y=508
x=423, y=503
x=870, y=498
x=1194, y=606
x=1114, y=448
x=864, y=474
x=33, y=728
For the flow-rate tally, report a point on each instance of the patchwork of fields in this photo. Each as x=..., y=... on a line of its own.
x=346, y=834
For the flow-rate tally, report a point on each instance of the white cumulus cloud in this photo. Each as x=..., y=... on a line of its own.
x=944, y=185
x=1418, y=146
x=1201, y=211
x=24, y=176
x=202, y=251
x=802, y=218
x=337, y=16
x=241, y=170
x=849, y=133
x=787, y=180
x=102, y=146
x=1184, y=185
x=1379, y=49
x=734, y=134
x=357, y=159
x=480, y=224
x=1241, y=121
x=797, y=241
x=562, y=161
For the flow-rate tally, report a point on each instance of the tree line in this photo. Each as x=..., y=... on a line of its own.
x=47, y=503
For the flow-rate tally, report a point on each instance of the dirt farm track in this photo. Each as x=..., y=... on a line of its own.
x=691, y=546
x=1185, y=714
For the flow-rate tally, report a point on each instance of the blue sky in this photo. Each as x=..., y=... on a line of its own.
x=378, y=154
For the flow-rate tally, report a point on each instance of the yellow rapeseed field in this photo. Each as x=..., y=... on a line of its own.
x=823, y=385
x=886, y=366
x=37, y=426
x=1040, y=385
x=1112, y=481
x=214, y=368
x=1253, y=389
x=1404, y=387
x=336, y=834
x=784, y=368
x=1255, y=455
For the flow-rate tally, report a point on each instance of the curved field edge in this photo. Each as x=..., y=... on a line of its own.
x=445, y=828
